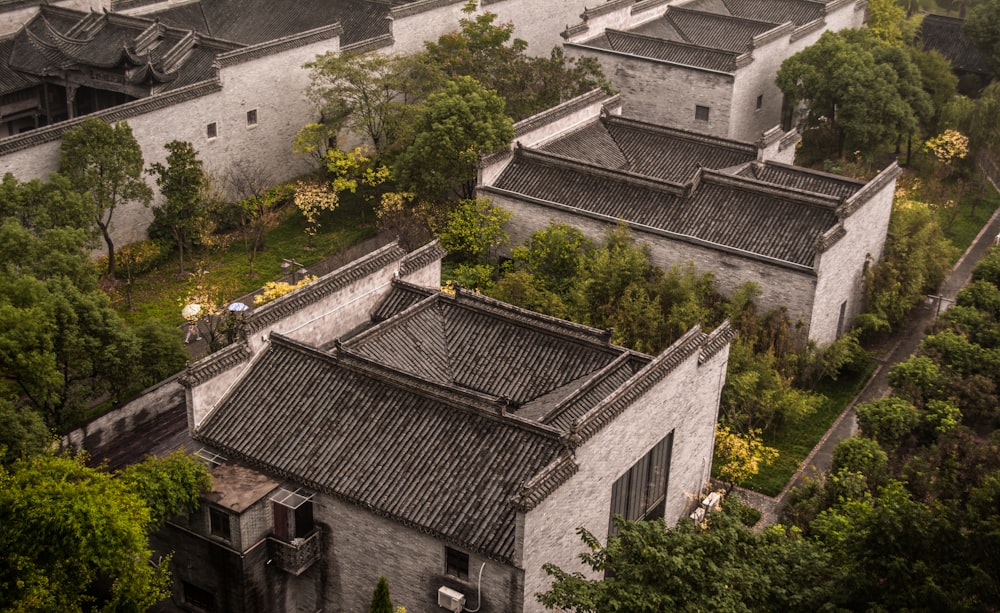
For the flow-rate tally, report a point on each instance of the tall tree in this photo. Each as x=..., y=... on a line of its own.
x=75, y=538
x=456, y=126
x=860, y=89
x=104, y=162
x=182, y=183
x=381, y=601
x=982, y=27
x=368, y=93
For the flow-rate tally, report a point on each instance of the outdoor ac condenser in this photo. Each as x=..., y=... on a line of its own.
x=450, y=599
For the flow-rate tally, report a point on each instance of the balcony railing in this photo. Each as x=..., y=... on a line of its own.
x=297, y=555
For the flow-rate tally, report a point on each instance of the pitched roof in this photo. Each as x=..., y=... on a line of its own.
x=803, y=179
x=130, y=50
x=776, y=223
x=438, y=462
x=668, y=50
x=485, y=347
x=420, y=418
x=711, y=30
x=647, y=149
x=798, y=12
x=944, y=35
x=252, y=22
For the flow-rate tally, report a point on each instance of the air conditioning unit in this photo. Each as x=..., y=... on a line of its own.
x=450, y=599
x=712, y=501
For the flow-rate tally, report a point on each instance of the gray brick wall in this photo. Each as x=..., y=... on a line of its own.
x=359, y=546
x=686, y=402
x=779, y=286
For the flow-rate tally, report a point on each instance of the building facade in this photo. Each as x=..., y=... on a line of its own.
x=451, y=443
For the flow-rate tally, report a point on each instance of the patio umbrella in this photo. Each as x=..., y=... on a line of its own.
x=191, y=310
x=238, y=307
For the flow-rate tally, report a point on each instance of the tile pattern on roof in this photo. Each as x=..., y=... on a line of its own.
x=674, y=52
x=450, y=342
x=131, y=51
x=944, y=35
x=798, y=12
x=715, y=31
x=802, y=178
x=251, y=22
x=402, y=454
x=741, y=218
x=650, y=150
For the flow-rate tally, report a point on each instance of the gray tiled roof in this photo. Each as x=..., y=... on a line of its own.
x=670, y=51
x=490, y=351
x=738, y=214
x=58, y=39
x=798, y=12
x=709, y=30
x=256, y=21
x=647, y=149
x=11, y=80
x=431, y=460
x=804, y=179
x=944, y=35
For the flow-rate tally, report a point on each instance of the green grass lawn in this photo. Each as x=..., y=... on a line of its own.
x=795, y=441
x=160, y=293
x=972, y=215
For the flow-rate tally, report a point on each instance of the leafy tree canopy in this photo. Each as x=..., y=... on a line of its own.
x=455, y=127
x=104, y=162
x=182, y=182
x=75, y=538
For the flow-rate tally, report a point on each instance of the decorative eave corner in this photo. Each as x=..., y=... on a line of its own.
x=827, y=240
x=216, y=363
x=719, y=338
x=860, y=197
x=533, y=492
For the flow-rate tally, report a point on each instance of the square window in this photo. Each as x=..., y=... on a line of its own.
x=212, y=130
x=198, y=598
x=252, y=117
x=701, y=112
x=760, y=101
x=456, y=563
x=219, y=523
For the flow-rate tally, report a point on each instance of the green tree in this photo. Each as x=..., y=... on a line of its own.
x=182, y=183
x=860, y=90
x=982, y=27
x=381, y=602
x=739, y=457
x=75, y=539
x=163, y=352
x=885, y=20
x=371, y=94
x=726, y=567
x=44, y=205
x=456, y=126
x=888, y=420
x=474, y=230
x=22, y=432
x=256, y=206
x=488, y=52
x=104, y=162
x=60, y=347
x=553, y=255
x=169, y=486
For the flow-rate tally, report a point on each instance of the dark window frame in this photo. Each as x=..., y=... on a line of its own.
x=701, y=113
x=760, y=102
x=212, y=130
x=251, y=118
x=220, y=523
x=640, y=494
x=197, y=597
x=456, y=563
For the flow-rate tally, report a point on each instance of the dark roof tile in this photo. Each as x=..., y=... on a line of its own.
x=944, y=35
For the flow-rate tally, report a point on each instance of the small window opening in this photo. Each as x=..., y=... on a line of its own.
x=456, y=563
x=212, y=130
x=252, y=117
x=219, y=523
x=760, y=101
x=701, y=112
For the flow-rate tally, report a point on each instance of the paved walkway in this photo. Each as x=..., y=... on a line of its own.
x=897, y=348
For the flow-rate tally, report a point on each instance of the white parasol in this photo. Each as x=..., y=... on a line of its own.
x=238, y=307
x=190, y=311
